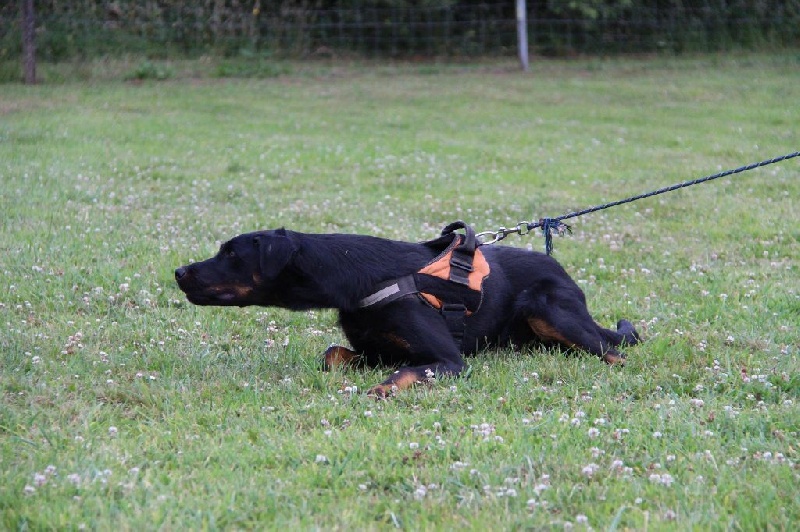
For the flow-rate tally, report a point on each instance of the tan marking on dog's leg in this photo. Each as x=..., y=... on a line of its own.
x=611, y=358
x=397, y=340
x=547, y=332
x=243, y=291
x=337, y=356
x=401, y=379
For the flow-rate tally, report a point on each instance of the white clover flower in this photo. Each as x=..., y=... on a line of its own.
x=665, y=479
x=589, y=470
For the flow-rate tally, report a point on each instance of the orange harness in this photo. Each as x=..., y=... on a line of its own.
x=442, y=268
x=451, y=283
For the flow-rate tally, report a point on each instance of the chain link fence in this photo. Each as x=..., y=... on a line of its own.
x=395, y=28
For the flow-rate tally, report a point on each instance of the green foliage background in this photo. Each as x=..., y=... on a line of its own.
x=397, y=28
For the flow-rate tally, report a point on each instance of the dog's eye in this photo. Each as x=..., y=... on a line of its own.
x=230, y=253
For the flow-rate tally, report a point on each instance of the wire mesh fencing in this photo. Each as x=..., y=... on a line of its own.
x=397, y=28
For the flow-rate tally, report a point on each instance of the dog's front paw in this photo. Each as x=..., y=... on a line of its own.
x=382, y=391
x=337, y=356
x=402, y=379
x=614, y=359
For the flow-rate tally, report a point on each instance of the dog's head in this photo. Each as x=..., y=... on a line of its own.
x=245, y=271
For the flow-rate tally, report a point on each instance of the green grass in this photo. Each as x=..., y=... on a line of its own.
x=124, y=406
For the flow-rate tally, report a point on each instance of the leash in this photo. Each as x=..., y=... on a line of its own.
x=556, y=225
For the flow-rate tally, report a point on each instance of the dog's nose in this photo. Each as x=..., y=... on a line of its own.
x=180, y=272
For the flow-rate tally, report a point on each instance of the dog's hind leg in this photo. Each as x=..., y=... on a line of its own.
x=574, y=334
x=566, y=321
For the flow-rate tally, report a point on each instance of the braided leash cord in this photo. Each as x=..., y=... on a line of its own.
x=550, y=225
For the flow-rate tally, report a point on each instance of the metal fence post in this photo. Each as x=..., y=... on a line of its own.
x=522, y=34
x=28, y=41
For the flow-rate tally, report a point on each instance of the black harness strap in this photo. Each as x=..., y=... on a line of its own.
x=463, y=254
x=455, y=314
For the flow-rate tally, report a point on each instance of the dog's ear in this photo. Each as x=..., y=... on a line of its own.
x=276, y=251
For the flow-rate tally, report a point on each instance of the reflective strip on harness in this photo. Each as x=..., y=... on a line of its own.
x=380, y=295
x=391, y=291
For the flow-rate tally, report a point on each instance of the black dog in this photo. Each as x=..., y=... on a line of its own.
x=416, y=305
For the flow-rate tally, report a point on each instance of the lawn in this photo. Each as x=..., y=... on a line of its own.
x=124, y=406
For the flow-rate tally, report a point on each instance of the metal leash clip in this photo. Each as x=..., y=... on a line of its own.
x=522, y=228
